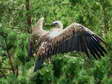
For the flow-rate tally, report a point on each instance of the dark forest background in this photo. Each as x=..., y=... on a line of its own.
x=16, y=19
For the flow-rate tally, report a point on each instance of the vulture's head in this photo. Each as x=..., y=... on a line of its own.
x=57, y=24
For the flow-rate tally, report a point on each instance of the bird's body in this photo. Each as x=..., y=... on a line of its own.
x=75, y=37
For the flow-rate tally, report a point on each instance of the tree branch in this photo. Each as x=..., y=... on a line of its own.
x=10, y=58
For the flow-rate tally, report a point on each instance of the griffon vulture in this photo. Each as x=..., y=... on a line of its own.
x=75, y=37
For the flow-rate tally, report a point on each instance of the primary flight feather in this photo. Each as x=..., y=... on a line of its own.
x=75, y=37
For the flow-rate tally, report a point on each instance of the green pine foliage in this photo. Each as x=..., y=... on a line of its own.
x=68, y=68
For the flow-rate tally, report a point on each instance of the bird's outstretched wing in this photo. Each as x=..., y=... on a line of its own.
x=75, y=37
x=37, y=33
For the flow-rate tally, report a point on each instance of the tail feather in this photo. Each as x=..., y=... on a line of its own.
x=38, y=64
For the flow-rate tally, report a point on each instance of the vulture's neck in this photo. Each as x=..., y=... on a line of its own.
x=58, y=27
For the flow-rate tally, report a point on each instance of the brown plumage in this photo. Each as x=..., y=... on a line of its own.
x=75, y=37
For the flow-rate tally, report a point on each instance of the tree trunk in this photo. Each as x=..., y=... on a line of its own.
x=28, y=16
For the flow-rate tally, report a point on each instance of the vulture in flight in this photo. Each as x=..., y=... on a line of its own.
x=75, y=37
